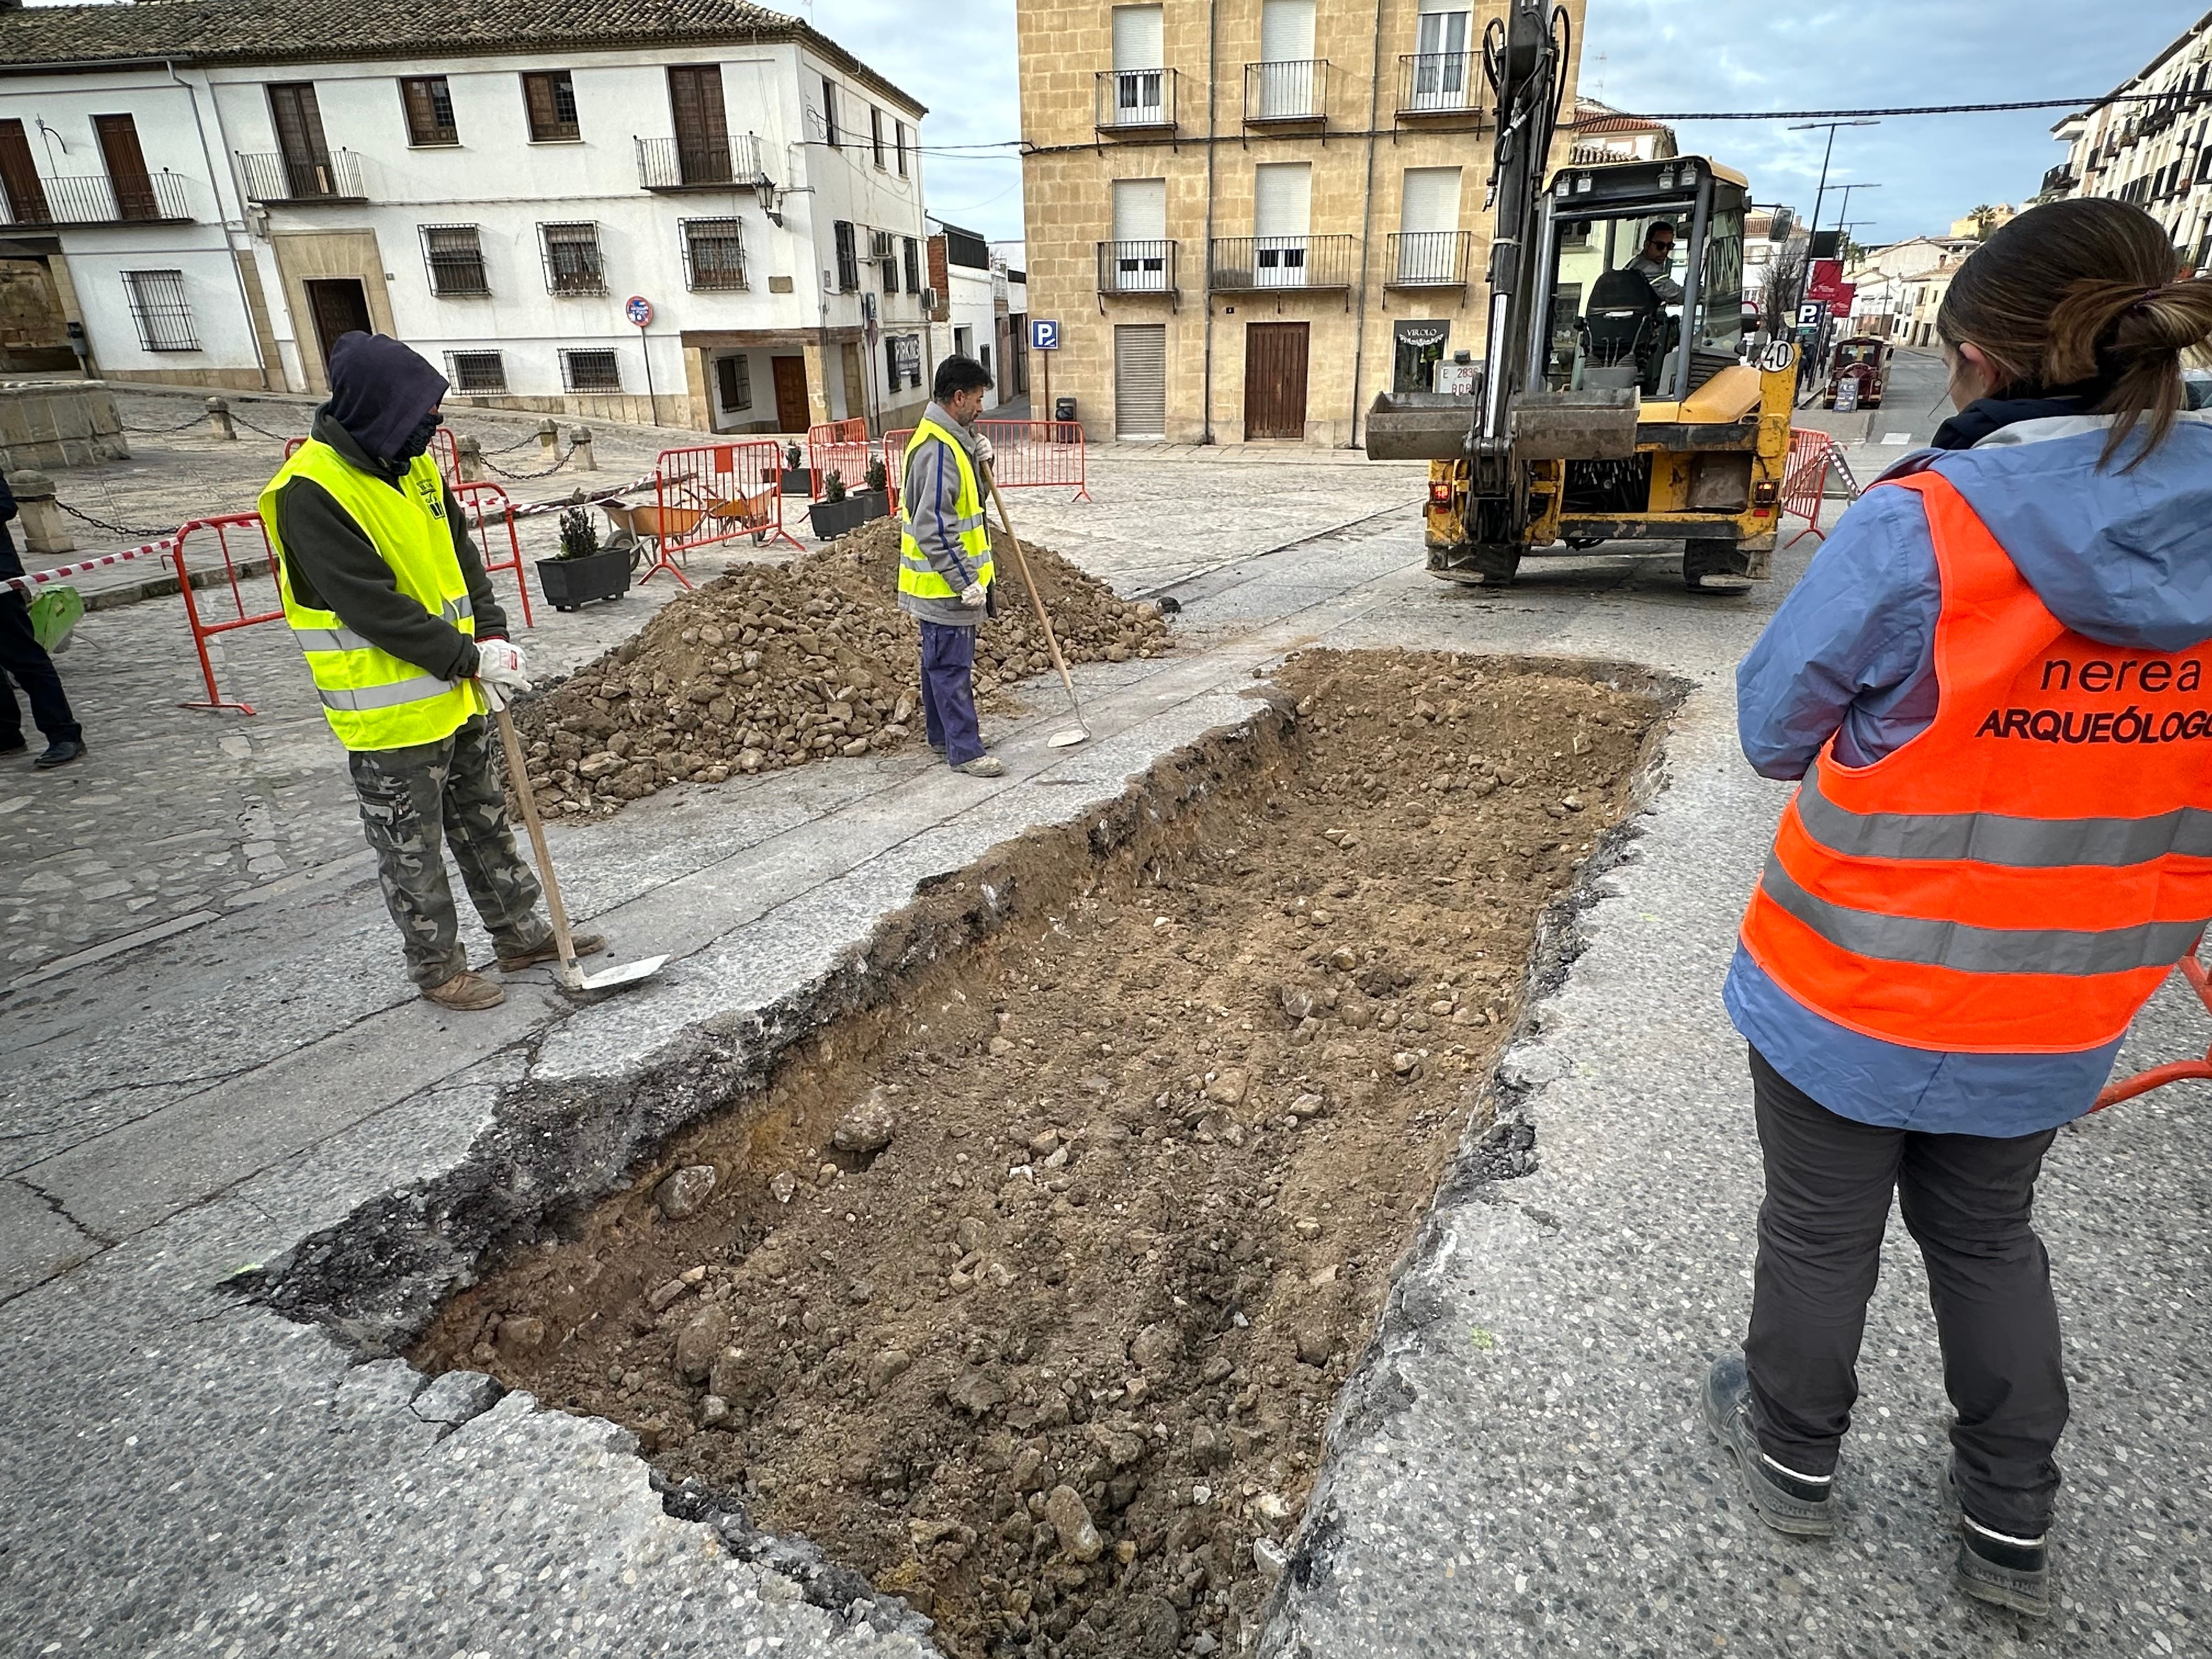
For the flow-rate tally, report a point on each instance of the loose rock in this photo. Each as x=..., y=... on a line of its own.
x=681, y=1194
x=1070, y=1521
x=868, y=1127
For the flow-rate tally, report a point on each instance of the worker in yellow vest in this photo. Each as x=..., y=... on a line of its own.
x=944, y=559
x=388, y=597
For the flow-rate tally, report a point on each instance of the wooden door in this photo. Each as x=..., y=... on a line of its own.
x=791, y=410
x=1275, y=379
x=126, y=167
x=703, y=132
x=340, y=307
x=299, y=124
x=19, y=174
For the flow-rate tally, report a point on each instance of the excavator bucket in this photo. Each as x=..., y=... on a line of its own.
x=1574, y=426
x=1419, y=426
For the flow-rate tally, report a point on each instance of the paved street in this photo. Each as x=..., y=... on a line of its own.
x=1515, y=1468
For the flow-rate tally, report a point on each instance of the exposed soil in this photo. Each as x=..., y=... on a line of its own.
x=1026, y=1292
x=777, y=665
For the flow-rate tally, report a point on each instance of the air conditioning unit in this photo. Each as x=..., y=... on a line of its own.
x=929, y=299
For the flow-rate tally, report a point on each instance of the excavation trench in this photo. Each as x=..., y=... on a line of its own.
x=1023, y=1275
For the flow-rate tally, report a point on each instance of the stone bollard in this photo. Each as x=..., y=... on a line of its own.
x=45, y=529
x=548, y=441
x=219, y=418
x=580, y=439
x=469, y=454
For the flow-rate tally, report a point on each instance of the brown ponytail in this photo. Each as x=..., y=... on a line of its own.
x=2080, y=295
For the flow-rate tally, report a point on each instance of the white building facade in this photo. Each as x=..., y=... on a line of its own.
x=214, y=205
x=2151, y=149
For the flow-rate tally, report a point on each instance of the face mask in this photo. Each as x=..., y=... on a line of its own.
x=418, y=441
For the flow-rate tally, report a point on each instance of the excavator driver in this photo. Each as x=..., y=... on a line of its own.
x=1652, y=263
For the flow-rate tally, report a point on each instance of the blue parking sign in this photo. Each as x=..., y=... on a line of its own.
x=1044, y=334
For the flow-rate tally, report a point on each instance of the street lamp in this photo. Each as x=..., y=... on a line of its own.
x=1827, y=154
x=1846, y=208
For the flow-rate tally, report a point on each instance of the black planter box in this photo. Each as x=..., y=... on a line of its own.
x=876, y=503
x=832, y=520
x=797, y=481
x=568, y=583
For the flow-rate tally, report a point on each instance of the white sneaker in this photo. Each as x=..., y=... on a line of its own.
x=984, y=766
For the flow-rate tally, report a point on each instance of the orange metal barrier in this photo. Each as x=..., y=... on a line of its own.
x=1805, y=480
x=482, y=501
x=234, y=536
x=712, y=492
x=1030, y=455
x=839, y=446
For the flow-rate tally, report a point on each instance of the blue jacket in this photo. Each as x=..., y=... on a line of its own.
x=2123, y=558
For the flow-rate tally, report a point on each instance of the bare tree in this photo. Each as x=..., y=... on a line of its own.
x=1785, y=285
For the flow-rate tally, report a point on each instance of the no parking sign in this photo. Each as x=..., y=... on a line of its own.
x=638, y=309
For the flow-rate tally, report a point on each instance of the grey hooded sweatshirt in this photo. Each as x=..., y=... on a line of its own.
x=927, y=502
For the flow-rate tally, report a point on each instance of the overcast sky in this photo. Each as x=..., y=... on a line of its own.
x=958, y=56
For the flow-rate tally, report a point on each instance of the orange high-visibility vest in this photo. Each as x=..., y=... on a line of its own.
x=2019, y=876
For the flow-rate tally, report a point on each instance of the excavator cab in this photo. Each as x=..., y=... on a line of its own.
x=1616, y=409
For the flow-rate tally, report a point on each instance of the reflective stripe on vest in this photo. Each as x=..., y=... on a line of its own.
x=1948, y=897
x=917, y=576
x=371, y=699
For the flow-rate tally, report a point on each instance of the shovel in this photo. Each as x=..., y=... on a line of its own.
x=571, y=976
x=1068, y=736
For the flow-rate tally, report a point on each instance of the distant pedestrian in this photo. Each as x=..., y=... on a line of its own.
x=1995, y=856
x=944, y=559
x=25, y=661
x=388, y=597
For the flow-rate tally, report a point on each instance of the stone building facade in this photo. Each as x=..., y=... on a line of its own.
x=2151, y=150
x=1249, y=216
x=212, y=194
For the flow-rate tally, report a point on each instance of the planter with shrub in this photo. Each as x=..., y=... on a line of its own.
x=837, y=513
x=583, y=570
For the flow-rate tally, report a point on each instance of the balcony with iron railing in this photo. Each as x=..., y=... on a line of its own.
x=1430, y=258
x=2059, y=180
x=685, y=163
x=1136, y=267
x=1136, y=100
x=1438, y=83
x=290, y=180
x=1248, y=263
x=97, y=199
x=1285, y=91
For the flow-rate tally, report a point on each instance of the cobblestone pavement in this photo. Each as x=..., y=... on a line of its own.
x=178, y=815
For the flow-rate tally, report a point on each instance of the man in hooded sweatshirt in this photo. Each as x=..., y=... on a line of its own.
x=944, y=559
x=388, y=597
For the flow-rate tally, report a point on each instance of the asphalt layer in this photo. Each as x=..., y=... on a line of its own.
x=1517, y=1469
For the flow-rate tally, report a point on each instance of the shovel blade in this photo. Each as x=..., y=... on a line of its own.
x=1068, y=738
x=628, y=974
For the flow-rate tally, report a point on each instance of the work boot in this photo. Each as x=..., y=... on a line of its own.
x=588, y=944
x=1997, y=1567
x=983, y=766
x=1799, y=1505
x=60, y=752
x=15, y=745
x=465, y=993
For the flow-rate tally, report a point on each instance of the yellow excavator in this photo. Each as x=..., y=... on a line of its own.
x=1608, y=406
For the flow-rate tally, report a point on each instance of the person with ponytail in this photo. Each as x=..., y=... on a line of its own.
x=1995, y=681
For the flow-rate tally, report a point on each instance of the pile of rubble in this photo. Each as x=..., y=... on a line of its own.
x=776, y=665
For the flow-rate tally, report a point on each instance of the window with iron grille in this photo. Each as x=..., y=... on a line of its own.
x=592, y=370
x=550, y=98
x=898, y=130
x=714, y=253
x=429, y=109
x=476, y=371
x=733, y=379
x=829, y=113
x=571, y=259
x=876, y=132
x=455, y=259
x=848, y=258
x=163, y=314
x=912, y=265
x=883, y=249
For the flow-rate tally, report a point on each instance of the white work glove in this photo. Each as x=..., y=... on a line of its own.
x=500, y=664
x=985, y=455
x=973, y=596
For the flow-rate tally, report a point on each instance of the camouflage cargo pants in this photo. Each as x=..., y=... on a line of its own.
x=411, y=799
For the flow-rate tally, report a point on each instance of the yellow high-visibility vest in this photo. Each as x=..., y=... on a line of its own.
x=373, y=699
x=917, y=575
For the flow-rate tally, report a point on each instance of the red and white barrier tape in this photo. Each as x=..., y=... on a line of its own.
x=29, y=584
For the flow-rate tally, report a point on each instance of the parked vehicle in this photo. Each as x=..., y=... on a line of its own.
x=1863, y=361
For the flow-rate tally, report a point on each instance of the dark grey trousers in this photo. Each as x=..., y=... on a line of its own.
x=412, y=800
x=1968, y=1201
